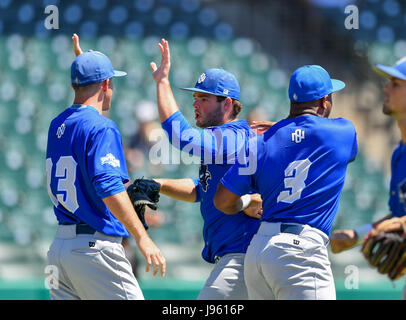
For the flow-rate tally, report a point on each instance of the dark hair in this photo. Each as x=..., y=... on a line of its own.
x=237, y=106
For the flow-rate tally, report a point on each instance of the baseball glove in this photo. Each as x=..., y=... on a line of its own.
x=386, y=251
x=144, y=192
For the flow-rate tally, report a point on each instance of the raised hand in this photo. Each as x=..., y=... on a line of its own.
x=76, y=46
x=162, y=72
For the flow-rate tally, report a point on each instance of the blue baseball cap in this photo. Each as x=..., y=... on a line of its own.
x=396, y=71
x=218, y=82
x=92, y=67
x=312, y=82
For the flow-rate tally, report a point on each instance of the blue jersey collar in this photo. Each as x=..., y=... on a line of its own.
x=82, y=106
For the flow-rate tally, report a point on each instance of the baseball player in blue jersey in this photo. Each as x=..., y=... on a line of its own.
x=301, y=167
x=216, y=105
x=394, y=106
x=86, y=177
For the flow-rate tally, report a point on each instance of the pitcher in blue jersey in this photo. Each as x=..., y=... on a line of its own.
x=222, y=140
x=301, y=167
x=395, y=107
x=86, y=177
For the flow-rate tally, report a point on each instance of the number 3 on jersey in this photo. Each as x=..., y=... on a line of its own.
x=295, y=176
x=65, y=172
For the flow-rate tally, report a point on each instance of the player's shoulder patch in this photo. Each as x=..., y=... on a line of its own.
x=111, y=160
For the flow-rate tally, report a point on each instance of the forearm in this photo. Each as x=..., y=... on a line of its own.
x=237, y=205
x=121, y=207
x=384, y=218
x=179, y=189
x=229, y=202
x=362, y=231
x=166, y=101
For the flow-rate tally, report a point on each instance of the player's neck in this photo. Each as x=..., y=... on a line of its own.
x=402, y=127
x=297, y=113
x=92, y=101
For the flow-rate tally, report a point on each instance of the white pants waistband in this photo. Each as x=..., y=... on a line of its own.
x=273, y=228
x=69, y=232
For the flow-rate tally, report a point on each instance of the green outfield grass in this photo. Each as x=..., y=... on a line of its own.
x=176, y=289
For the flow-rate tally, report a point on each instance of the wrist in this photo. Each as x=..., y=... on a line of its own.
x=159, y=182
x=163, y=81
x=362, y=231
x=245, y=200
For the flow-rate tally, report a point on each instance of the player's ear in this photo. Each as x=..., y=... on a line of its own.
x=228, y=106
x=105, y=85
x=323, y=103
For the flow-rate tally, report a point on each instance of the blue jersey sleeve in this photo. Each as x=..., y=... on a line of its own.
x=236, y=182
x=354, y=148
x=217, y=145
x=106, y=162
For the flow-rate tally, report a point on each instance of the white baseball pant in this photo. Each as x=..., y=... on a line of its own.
x=90, y=267
x=282, y=265
x=226, y=281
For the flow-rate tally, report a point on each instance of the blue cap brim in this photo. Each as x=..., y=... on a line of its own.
x=198, y=90
x=337, y=85
x=203, y=91
x=389, y=72
x=118, y=73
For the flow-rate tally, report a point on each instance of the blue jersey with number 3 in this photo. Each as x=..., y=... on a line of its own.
x=85, y=163
x=301, y=170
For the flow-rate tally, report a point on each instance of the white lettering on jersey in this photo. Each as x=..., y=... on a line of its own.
x=110, y=159
x=65, y=173
x=295, y=176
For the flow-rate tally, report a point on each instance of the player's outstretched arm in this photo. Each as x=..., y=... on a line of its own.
x=166, y=101
x=231, y=203
x=260, y=127
x=179, y=189
x=391, y=224
x=76, y=47
x=341, y=240
x=120, y=206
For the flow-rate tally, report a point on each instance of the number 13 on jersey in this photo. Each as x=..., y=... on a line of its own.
x=295, y=176
x=65, y=173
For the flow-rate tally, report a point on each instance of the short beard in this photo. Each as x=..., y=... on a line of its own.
x=386, y=110
x=214, y=119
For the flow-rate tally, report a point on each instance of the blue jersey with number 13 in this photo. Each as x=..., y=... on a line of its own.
x=85, y=163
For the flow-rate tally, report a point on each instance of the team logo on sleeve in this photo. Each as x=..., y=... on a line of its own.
x=204, y=176
x=110, y=159
x=61, y=130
